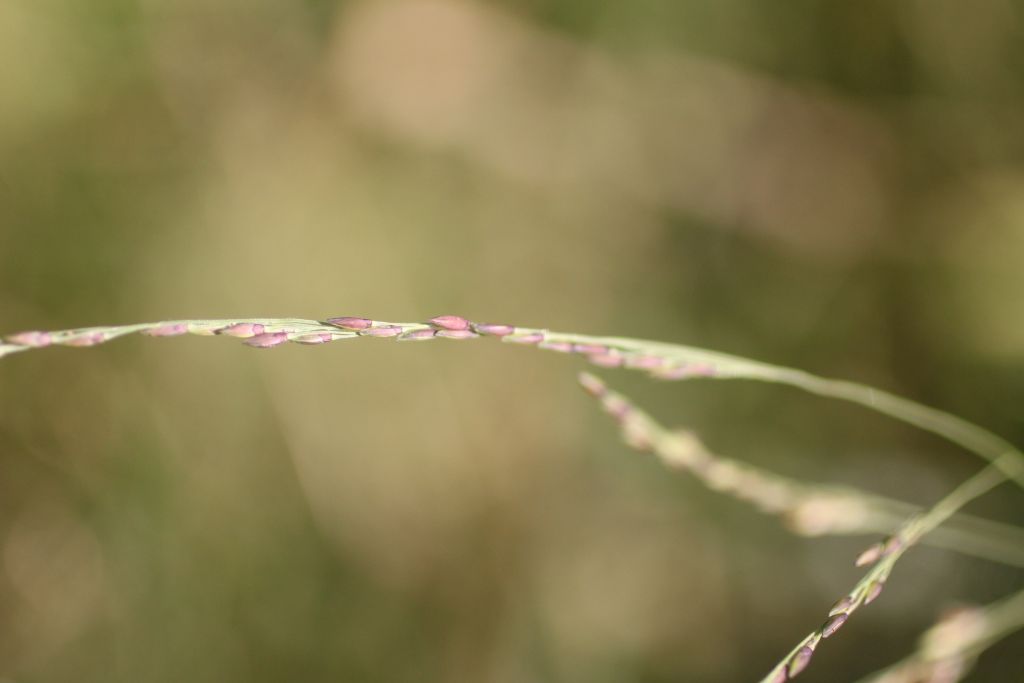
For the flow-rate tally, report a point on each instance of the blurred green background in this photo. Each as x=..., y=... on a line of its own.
x=835, y=186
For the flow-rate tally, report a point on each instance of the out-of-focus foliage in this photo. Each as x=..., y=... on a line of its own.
x=838, y=186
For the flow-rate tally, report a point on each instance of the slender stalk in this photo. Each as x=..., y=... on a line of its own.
x=807, y=508
x=670, y=362
x=884, y=555
x=662, y=360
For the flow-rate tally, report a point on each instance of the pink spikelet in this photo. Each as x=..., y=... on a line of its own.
x=243, y=330
x=267, y=340
x=493, y=330
x=90, y=339
x=350, y=323
x=457, y=334
x=418, y=335
x=32, y=338
x=166, y=330
x=533, y=338
x=313, y=338
x=382, y=331
x=450, y=322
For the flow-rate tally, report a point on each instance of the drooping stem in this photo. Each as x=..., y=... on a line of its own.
x=661, y=360
x=884, y=555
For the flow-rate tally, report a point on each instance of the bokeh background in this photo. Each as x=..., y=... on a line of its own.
x=835, y=186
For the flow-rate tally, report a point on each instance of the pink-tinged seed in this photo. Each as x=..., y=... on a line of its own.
x=166, y=330
x=703, y=370
x=616, y=407
x=672, y=372
x=313, y=338
x=607, y=360
x=892, y=544
x=874, y=590
x=450, y=322
x=869, y=556
x=85, y=340
x=534, y=338
x=590, y=348
x=382, y=331
x=493, y=330
x=417, y=335
x=243, y=330
x=32, y=338
x=266, y=340
x=833, y=624
x=457, y=334
x=636, y=436
x=561, y=347
x=349, y=323
x=800, y=660
x=643, y=362
x=780, y=676
x=592, y=385
x=841, y=606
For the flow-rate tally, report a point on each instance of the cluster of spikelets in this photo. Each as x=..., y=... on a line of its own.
x=835, y=510
x=260, y=333
x=946, y=652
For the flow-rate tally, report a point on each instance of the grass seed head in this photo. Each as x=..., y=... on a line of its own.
x=87, y=339
x=529, y=338
x=171, y=330
x=493, y=330
x=266, y=340
x=561, y=347
x=457, y=334
x=799, y=661
x=243, y=330
x=382, y=331
x=350, y=323
x=418, y=335
x=869, y=556
x=32, y=338
x=833, y=624
x=450, y=322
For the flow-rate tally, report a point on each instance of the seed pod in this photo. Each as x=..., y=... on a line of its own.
x=800, y=660
x=841, y=606
x=643, y=362
x=32, y=338
x=417, y=335
x=672, y=372
x=243, y=330
x=450, y=322
x=382, y=331
x=313, y=338
x=606, y=360
x=493, y=330
x=561, y=347
x=532, y=338
x=833, y=624
x=266, y=340
x=349, y=323
x=88, y=339
x=892, y=544
x=873, y=591
x=589, y=349
x=592, y=385
x=166, y=330
x=869, y=556
x=457, y=334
